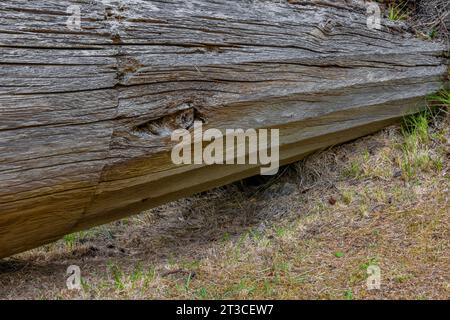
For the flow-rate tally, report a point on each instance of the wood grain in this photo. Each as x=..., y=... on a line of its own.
x=86, y=115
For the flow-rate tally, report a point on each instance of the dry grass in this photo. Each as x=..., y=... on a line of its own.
x=310, y=232
x=429, y=18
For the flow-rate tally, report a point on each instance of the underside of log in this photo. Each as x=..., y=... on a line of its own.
x=84, y=113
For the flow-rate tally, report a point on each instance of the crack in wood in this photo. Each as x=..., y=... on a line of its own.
x=166, y=125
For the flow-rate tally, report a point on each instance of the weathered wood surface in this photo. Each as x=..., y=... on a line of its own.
x=74, y=152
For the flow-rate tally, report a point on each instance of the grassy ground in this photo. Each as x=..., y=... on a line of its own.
x=310, y=232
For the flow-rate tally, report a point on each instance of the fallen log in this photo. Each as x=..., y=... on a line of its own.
x=86, y=109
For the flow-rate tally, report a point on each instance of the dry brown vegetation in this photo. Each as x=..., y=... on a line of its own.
x=428, y=18
x=309, y=232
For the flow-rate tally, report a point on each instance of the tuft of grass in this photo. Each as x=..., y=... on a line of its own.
x=347, y=197
x=442, y=98
x=433, y=33
x=117, y=276
x=416, y=155
x=370, y=262
x=71, y=240
x=397, y=12
x=416, y=126
x=353, y=170
x=202, y=293
x=280, y=231
x=348, y=294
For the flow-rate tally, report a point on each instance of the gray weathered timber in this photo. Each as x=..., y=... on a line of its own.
x=76, y=105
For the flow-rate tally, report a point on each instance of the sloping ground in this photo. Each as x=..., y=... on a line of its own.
x=310, y=232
